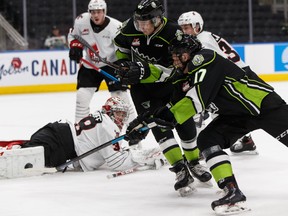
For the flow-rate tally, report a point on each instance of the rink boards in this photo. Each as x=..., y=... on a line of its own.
x=52, y=71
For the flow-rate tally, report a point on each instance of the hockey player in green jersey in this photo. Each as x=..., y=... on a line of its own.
x=243, y=102
x=144, y=41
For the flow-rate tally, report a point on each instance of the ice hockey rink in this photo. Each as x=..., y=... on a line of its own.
x=263, y=178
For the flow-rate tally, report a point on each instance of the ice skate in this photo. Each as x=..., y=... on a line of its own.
x=184, y=179
x=245, y=145
x=233, y=202
x=199, y=172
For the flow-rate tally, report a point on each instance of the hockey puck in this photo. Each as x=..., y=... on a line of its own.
x=28, y=165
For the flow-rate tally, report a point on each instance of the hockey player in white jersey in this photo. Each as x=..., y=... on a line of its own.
x=192, y=23
x=64, y=140
x=98, y=30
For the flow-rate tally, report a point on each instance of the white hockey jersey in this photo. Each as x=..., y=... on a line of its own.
x=93, y=131
x=221, y=46
x=102, y=41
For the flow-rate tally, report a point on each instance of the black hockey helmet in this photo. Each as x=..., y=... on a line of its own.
x=188, y=44
x=148, y=9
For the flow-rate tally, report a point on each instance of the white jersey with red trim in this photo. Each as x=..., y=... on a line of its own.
x=93, y=131
x=101, y=41
x=221, y=46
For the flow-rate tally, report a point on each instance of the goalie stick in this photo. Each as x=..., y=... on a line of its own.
x=86, y=44
x=64, y=166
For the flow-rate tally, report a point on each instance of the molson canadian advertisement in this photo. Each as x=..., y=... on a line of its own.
x=52, y=71
x=268, y=60
x=37, y=71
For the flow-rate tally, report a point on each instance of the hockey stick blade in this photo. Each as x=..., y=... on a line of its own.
x=86, y=44
x=128, y=171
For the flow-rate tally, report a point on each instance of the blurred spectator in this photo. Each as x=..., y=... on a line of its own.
x=284, y=29
x=55, y=40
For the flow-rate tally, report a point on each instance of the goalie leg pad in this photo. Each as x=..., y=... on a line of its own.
x=14, y=162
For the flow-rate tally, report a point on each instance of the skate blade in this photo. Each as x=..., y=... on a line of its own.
x=186, y=191
x=207, y=184
x=255, y=152
x=237, y=208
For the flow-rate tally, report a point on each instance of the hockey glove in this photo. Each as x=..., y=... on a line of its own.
x=76, y=50
x=164, y=117
x=134, y=132
x=133, y=72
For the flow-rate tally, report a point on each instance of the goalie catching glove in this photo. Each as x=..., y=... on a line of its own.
x=153, y=158
x=132, y=72
x=136, y=129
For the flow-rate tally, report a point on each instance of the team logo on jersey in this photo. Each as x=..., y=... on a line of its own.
x=158, y=45
x=185, y=86
x=212, y=108
x=136, y=55
x=92, y=55
x=179, y=35
x=116, y=146
x=85, y=32
x=146, y=104
x=136, y=42
x=197, y=60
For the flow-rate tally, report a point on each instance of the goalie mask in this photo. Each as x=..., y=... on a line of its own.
x=117, y=110
x=97, y=5
x=191, y=18
x=148, y=10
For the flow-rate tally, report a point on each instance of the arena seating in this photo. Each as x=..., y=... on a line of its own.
x=224, y=17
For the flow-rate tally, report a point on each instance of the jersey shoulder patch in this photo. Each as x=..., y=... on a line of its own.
x=98, y=116
x=203, y=57
x=198, y=60
x=171, y=32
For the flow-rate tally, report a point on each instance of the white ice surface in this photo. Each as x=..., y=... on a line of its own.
x=263, y=178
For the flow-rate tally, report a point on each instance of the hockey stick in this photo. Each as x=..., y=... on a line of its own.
x=140, y=167
x=64, y=166
x=100, y=70
x=128, y=171
x=86, y=44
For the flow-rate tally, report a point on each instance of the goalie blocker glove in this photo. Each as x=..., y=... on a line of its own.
x=133, y=72
x=76, y=50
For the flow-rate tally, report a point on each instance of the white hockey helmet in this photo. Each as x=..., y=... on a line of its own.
x=117, y=110
x=193, y=18
x=97, y=5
